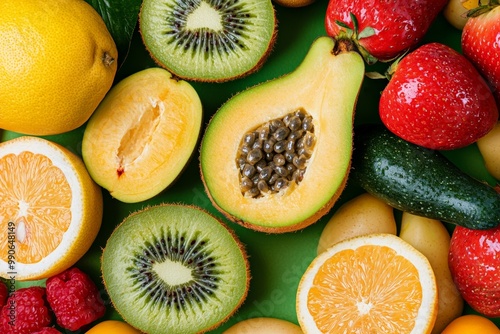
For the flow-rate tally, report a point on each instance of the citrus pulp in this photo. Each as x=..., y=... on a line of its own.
x=51, y=209
x=375, y=283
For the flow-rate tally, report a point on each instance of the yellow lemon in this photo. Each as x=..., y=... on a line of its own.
x=57, y=61
x=112, y=327
x=51, y=209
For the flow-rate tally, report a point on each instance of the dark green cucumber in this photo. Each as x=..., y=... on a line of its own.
x=421, y=181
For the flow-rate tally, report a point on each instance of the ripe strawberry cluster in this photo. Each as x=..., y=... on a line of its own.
x=436, y=97
x=71, y=298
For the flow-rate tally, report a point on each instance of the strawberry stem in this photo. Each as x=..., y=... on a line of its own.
x=354, y=35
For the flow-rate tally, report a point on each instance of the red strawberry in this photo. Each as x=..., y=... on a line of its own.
x=481, y=43
x=437, y=99
x=474, y=260
x=383, y=29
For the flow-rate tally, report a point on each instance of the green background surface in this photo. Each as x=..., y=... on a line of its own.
x=277, y=261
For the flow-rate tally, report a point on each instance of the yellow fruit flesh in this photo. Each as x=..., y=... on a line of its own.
x=142, y=135
x=326, y=87
x=57, y=61
x=50, y=206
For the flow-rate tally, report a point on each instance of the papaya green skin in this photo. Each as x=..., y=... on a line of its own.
x=421, y=181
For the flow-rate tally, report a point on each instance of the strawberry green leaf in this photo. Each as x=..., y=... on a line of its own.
x=346, y=27
x=121, y=18
x=367, y=32
x=354, y=23
x=343, y=25
x=355, y=35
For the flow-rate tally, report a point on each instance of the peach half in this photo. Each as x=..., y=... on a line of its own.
x=142, y=135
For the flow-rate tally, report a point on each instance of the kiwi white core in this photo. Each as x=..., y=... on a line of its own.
x=173, y=272
x=205, y=16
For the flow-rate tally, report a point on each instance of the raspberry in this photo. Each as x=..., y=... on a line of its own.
x=26, y=311
x=47, y=330
x=74, y=298
x=4, y=293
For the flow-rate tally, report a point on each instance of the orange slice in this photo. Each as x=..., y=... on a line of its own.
x=375, y=283
x=51, y=209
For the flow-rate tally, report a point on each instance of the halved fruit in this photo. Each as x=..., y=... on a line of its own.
x=375, y=283
x=50, y=210
x=208, y=41
x=175, y=269
x=276, y=157
x=142, y=135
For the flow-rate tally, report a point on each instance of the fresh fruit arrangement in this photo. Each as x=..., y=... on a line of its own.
x=239, y=166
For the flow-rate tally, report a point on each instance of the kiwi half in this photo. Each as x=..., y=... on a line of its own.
x=208, y=40
x=174, y=269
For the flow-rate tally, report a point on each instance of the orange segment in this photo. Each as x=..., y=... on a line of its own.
x=51, y=208
x=374, y=283
x=38, y=199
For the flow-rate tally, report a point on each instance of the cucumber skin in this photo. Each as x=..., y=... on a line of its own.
x=421, y=181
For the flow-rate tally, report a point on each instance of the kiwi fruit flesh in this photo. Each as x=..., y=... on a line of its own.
x=173, y=268
x=208, y=40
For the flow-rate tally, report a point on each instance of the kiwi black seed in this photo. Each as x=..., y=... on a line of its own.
x=174, y=269
x=208, y=40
